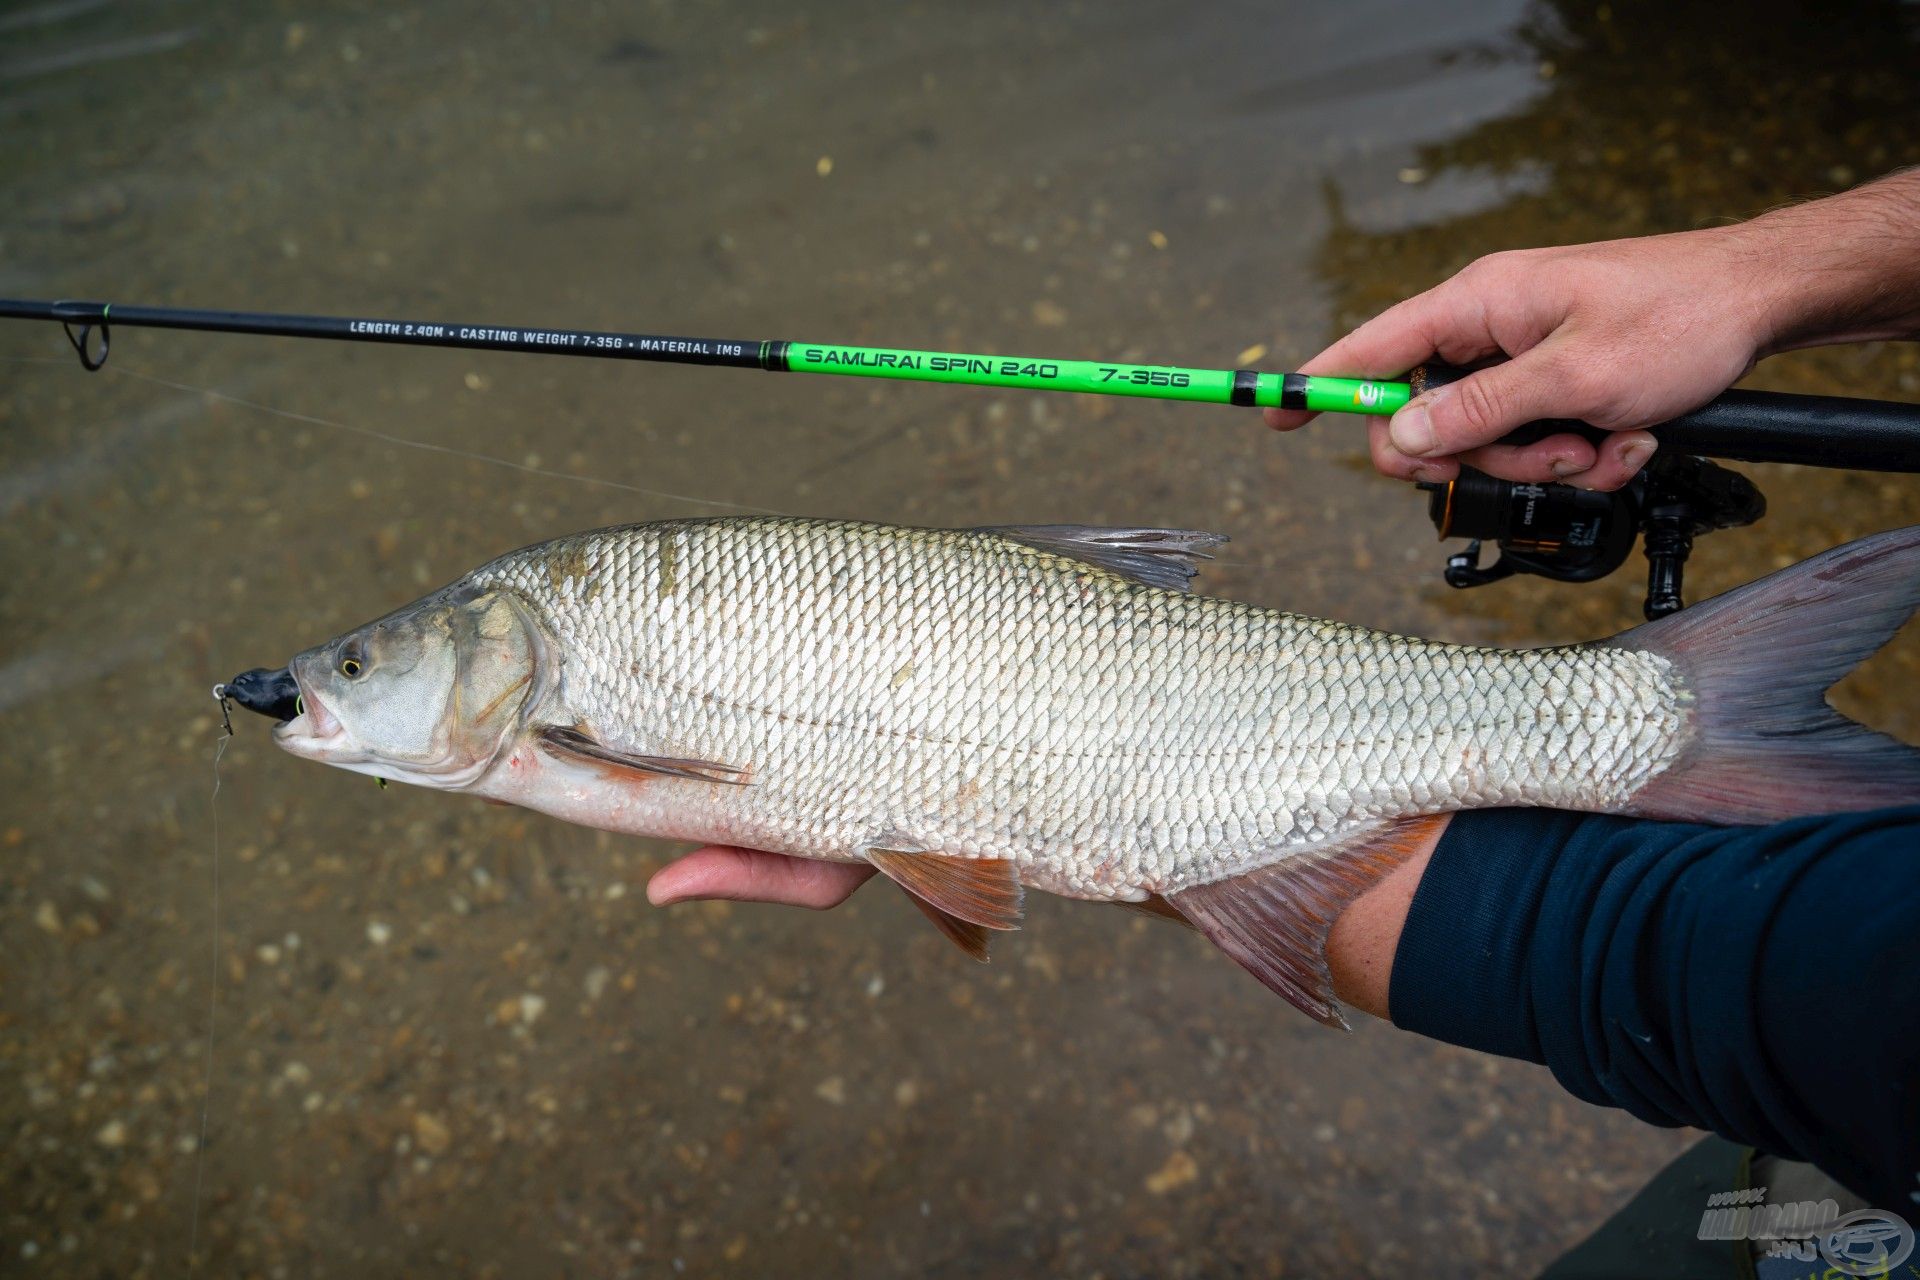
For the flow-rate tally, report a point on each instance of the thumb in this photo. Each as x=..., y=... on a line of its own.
x=1481, y=407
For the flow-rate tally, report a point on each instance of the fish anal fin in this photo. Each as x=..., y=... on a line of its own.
x=1165, y=558
x=1274, y=920
x=984, y=892
x=576, y=744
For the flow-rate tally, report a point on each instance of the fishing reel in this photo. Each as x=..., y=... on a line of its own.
x=1574, y=535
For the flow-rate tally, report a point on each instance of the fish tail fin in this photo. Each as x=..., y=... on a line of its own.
x=1758, y=661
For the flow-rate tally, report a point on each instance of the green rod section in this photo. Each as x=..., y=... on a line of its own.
x=89, y=326
x=1096, y=377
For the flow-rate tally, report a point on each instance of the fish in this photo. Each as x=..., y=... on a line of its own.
x=977, y=713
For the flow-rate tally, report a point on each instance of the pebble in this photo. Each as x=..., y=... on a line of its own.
x=379, y=933
x=112, y=1134
x=1048, y=313
x=431, y=1133
x=833, y=1089
x=1180, y=1170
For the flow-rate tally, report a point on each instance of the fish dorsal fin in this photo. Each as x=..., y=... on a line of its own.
x=1166, y=558
x=1274, y=920
x=964, y=897
x=578, y=745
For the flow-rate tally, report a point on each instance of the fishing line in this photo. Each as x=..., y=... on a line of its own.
x=213, y=988
x=425, y=446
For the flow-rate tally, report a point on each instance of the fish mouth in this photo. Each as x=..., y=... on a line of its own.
x=312, y=731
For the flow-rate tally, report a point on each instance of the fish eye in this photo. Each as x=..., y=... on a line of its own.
x=350, y=667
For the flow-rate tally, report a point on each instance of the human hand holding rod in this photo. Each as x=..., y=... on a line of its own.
x=1625, y=334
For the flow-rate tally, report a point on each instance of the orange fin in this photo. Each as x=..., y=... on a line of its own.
x=982, y=892
x=1274, y=920
x=578, y=744
x=965, y=934
x=1159, y=907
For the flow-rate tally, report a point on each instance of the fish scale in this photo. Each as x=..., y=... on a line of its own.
x=1110, y=739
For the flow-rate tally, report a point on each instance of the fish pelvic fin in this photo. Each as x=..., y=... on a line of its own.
x=964, y=897
x=1274, y=920
x=971, y=938
x=576, y=744
x=1758, y=661
x=1158, y=907
x=1164, y=558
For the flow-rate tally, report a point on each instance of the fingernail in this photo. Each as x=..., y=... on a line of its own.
x=1412, y=430
x=1635, y=455
x=1564, y=467
x=1428, y=475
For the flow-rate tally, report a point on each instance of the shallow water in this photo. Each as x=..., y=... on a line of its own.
x=454, y=1039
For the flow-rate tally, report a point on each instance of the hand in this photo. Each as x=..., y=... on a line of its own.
x=1621, y=334
x=1626, y=333
x=750, y=875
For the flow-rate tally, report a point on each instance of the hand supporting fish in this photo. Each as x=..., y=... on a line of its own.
x=974, y=713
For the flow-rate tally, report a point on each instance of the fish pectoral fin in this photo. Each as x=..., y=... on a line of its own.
x=1274, y=920
x=964, y=897
x=577, y=744
x=1165, y=558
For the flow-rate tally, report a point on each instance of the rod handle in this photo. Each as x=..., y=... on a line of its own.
x=1848, y=432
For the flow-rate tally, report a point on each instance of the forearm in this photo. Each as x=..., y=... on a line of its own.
x=1841, y=269
x=1761, y=982
x=1362, y=943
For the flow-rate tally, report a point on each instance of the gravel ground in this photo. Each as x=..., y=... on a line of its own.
x=441, y=1038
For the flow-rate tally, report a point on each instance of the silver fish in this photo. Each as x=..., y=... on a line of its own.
x=977, y=712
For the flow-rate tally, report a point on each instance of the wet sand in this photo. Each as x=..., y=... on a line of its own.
x=452, y=1039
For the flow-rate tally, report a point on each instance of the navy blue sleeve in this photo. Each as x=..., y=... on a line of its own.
x=1760, y=982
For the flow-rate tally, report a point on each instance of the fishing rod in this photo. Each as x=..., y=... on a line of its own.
x=1753, y=426
x=88, y=329
x=1550, y=530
